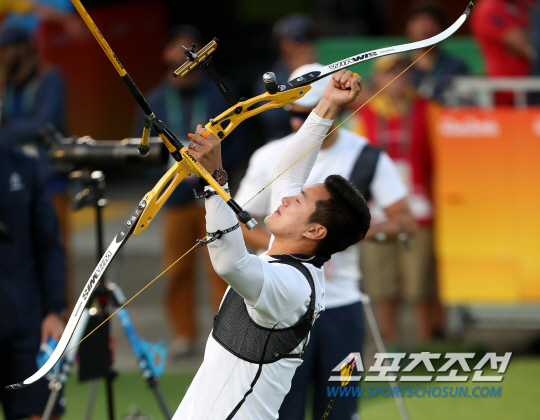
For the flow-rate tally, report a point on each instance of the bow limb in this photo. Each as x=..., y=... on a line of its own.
x=136, y=223
x=239, y=112
x=311, y=77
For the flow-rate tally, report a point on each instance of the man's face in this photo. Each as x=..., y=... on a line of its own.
x=291, y=219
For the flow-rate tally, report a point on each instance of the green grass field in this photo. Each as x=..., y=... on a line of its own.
x=520, y=398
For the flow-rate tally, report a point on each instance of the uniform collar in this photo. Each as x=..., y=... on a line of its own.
x=309, y=259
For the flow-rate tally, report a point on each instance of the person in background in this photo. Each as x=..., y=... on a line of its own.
x=32, y=281
x=33, y=96
x=433, y=73
x=501, y=30
x=294, y=36
x=396, y=121
x=181, y=103
x=340, y=330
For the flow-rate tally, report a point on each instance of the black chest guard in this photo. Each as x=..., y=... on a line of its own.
x=239, y=334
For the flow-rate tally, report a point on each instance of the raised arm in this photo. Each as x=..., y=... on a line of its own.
x=343, y=88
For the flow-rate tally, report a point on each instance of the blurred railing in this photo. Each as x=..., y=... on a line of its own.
x=480, y=91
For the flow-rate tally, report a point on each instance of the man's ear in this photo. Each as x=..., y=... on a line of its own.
x=316, y=231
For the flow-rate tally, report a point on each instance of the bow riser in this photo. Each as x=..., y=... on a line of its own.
x=156, y=197
x=241, y=111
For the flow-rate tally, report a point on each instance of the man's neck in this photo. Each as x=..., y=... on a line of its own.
x=287, y=248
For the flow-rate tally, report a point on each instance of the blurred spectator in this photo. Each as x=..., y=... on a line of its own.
x=182, y=103
x=33, y=96
x=433, y=73
x=295, y=37
x=396, y=121
x=340, y=329
x=30, y=13
x=32, y=278
x=501, y=29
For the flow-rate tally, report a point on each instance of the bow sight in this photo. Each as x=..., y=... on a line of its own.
x=276, y=96
x=204, y=59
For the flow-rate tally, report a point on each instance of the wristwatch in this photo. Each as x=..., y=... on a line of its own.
x=219, y=175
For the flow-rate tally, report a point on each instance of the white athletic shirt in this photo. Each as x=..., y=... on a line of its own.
x=342, y=272
x=275, y=294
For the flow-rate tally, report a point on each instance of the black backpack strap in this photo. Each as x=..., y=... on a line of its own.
x=364, y=169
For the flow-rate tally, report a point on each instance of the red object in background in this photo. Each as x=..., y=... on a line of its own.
x=490, y=22
x=99, y=103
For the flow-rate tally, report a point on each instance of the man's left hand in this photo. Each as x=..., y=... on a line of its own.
x=342, y=89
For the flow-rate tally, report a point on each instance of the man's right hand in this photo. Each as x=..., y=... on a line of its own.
x=342, y=89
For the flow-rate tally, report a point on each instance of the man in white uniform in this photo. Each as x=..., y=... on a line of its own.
x=239, y=377
x=340, y=330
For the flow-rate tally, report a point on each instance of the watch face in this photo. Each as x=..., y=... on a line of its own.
x=220, y=176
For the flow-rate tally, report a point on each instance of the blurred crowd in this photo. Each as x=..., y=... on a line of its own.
x=385, y=148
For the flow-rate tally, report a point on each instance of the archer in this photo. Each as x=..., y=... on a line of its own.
x=263, y=324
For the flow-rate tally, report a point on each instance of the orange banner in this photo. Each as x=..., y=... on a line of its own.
x=487, y=196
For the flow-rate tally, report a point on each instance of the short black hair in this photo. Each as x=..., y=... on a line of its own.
x=345, y=215
x=429, y=7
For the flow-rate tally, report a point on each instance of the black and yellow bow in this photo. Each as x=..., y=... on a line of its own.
x=186, y=164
